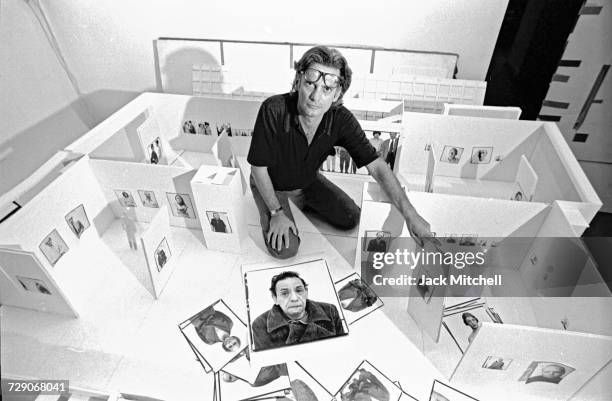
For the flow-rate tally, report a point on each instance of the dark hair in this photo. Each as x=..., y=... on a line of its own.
x=465, y=315
x=225, y=347
x=376, y=132
x=328, y=57
x=282, y=276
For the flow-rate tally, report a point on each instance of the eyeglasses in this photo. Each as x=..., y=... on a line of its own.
x=311, y=76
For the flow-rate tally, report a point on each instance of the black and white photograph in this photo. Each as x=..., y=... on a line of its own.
x=279, y=296
x=204, y=128
x=77, y=220
x=162, y=254
x=305, y=385
x=423, y=286
x=444, y=392
x=468, y=240
x=154, y=151
x=463, y=323
x=356, y=298
x=269, y=382
x=148, y=199
x=181, y=205
x=53, y=247
x=125, y=198
x=188, y=127
x=368, y=384
x=546, y=372
x=34, y=285
x=497, y=363
x=481, y=155
x=216, y=333
x=376, y=241
x=518, y=194
x=219, y=222
x=451, y=154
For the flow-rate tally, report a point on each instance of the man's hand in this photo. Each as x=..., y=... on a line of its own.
x=420, y=230
x=280, y=225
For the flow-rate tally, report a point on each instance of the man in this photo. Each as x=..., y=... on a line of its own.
x=552, y=373
x=294, y=318
x=217, y=224
x=452, y=156
x=377, y=244
x=294, y=134
x=389, y=149
x=213, y=326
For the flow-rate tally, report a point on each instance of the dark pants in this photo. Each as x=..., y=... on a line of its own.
x=322, y=196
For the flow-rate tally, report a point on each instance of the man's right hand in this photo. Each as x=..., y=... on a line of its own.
x=280, y=225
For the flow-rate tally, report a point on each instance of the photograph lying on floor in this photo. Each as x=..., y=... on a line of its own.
x=154, y=151
x=304, y=385
x=77, y=220
x=546, y=372
x=148, y=199
x=181, y=205
x=496, y=363
x=368, y=383
x=481, y=155
x=33, y=284
x=444, y=392
x=53, y=247
x=292, y=305
x=451, y=154
x=270, y=382
x=219, y=222
x=162, y=254
x=216, y=334
x=356, y=298
x=125, y=198
x=376, y=241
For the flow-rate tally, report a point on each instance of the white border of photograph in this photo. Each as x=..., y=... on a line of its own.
x=241, y=389
x=352, y=317
x=77, y=214
x=367, y=239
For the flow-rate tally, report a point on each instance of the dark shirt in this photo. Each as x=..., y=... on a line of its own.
x=218, y=225
x=206, y=321
x=272, y=329
x=377, y=245
x=280, y=143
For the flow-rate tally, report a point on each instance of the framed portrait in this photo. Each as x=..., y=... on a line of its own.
x=154, y=151
x=125, y=198
x=219, y=222
x=269, y=382
x=148, y=199
x=216, y=334
x=77, y=220
x=357, y=299
x=481, y=155
x=53, y=247
x=162, y=254
x=181, y=205
x=299, y=292
x=496, y=363
x=451, y=154
x=33, y=285
x=546, y=372
x=424, y=286
x=444, y=392
x=368, y=383
x=376, y=241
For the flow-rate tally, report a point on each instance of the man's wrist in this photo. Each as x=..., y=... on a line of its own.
x=276, y=212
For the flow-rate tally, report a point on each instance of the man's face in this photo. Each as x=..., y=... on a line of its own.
x=452, y=153
x=552, y=372
x=314, y=99
x=216, y=216
x=291, y=296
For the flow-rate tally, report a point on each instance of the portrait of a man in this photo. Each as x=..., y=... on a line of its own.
x=162, y=254
x=356, y=296
x=451, y=154
x=379, y=241
x=481, y=155
x=546, y=372
x=294, y=318
x=213, y=327
x=219, y=222
x=148, y=199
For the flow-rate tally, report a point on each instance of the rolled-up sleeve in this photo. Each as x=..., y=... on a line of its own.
x=354, y=140
x=263, y=150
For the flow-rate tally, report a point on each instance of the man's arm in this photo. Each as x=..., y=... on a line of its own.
x=418, y=227
x=280, y=224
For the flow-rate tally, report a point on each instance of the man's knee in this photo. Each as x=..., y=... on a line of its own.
x=349, y=219
x=285, y=252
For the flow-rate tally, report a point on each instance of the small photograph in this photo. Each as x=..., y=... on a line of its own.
x=125, y=198
x=546, y=372
x=162, y=254
x=188, y=127
x=204, y=128
x=451, y=238
x=181, y=205
x=356, y=298
x=444, y=392
x=270, y=382
x=53, y=247
x=77, y=220
x=279, y=296
x=148, y=199
x=154, y=151
x=463, y=324
x=468, y=240
x=451, y=154
x=368, y=383
x=481, y=155
x=376, y=241
x=216, y=334
x=496, y=363
x=424, y=289
x=304, y=385
x=518, y=194
x=219, y=222
x=227, y=127
x=33, y=284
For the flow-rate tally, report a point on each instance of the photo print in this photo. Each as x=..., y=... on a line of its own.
x=204, y=128
x=463, y=323
x=496, y=363
x=53, y=247
x=77, y=220
x=356, y=298
x=181, y=205
x=278, y=296
x=219, y=222
x=546, y=372
x=444, y=392
x=451, y=154
x=188, y=127
x=304, y=385
x=216, y=335
x=148, y=199
x=481, y=155
x=125, y=198
x=34, y=285
x=368, y=383
x=518, y=194
x=154, y=151
x=376, y=241
x=269, y=382
x=162, y=254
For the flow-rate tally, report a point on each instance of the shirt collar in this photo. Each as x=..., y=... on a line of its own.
x=277, y=319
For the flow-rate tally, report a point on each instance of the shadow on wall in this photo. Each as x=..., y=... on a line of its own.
x=175, y=69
